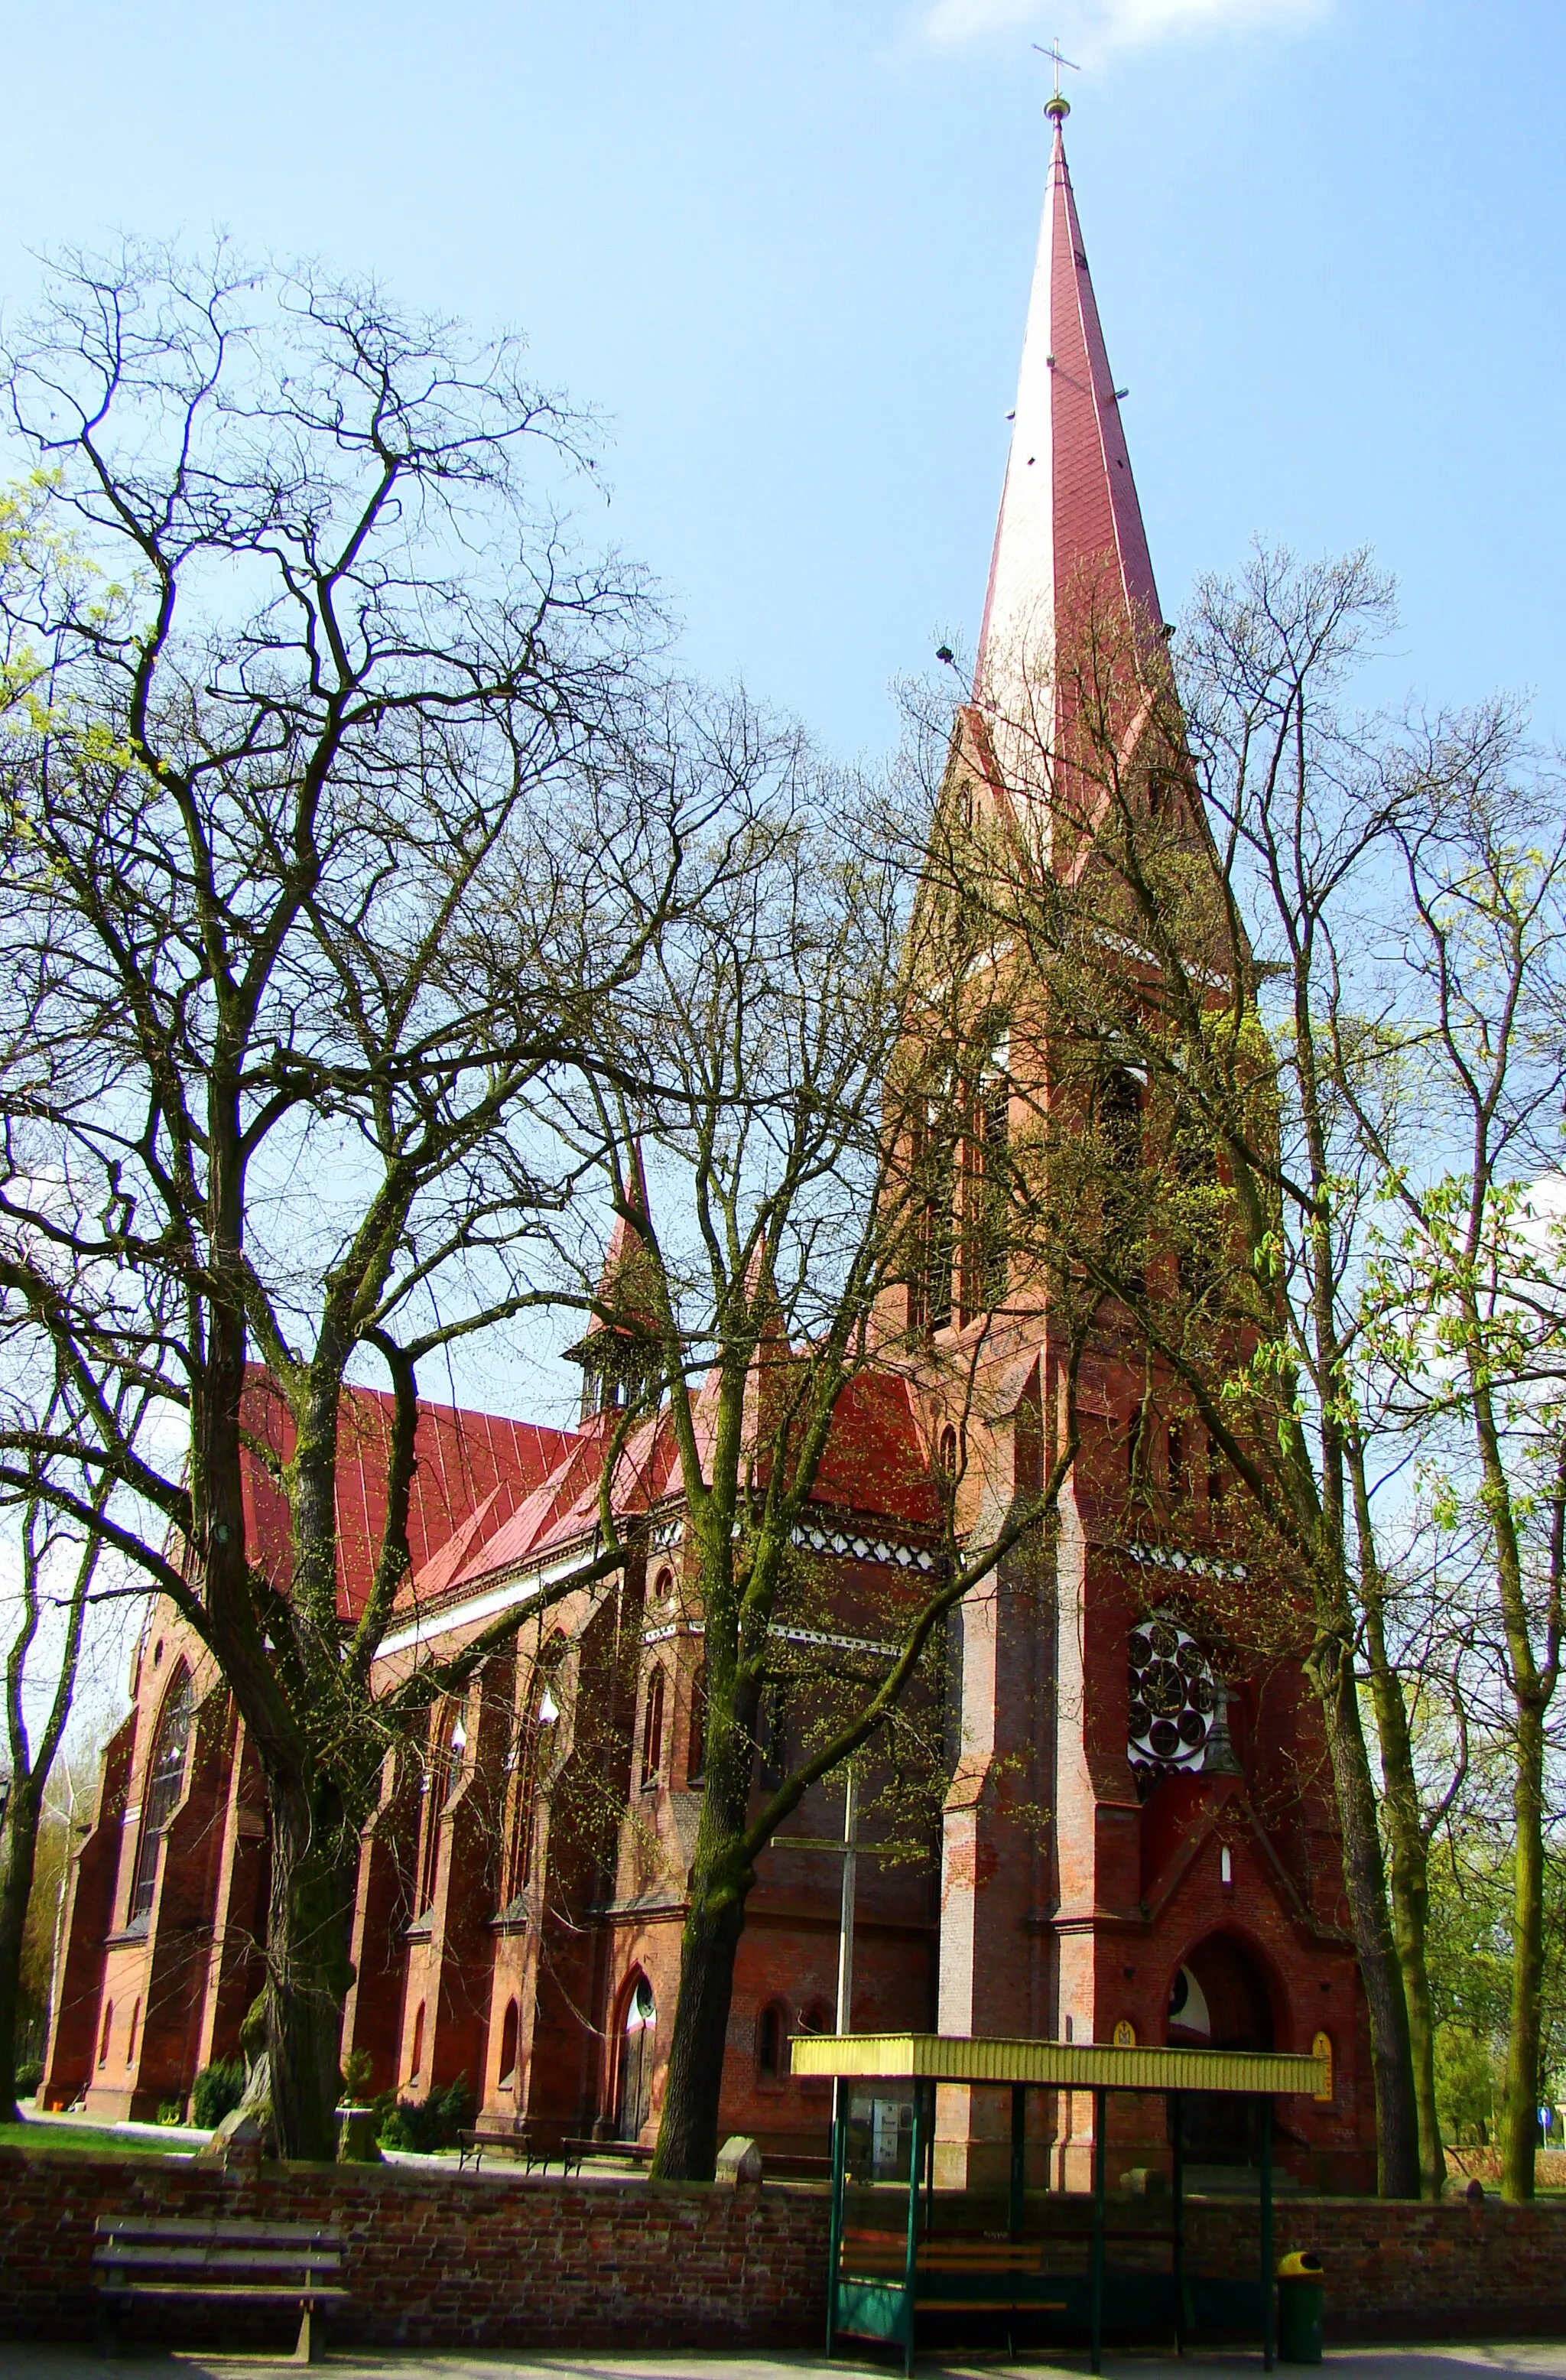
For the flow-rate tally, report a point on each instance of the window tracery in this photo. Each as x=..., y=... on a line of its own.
x=165, y=1780
x=1175, y=1700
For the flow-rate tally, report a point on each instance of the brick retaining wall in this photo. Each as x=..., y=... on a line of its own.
x=496, y=2261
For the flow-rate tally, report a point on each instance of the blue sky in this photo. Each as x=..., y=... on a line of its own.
x=785, y=249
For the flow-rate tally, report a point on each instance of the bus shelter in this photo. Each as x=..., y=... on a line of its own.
x=878, y=2282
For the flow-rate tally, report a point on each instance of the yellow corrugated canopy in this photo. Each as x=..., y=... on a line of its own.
x=1070, y=2064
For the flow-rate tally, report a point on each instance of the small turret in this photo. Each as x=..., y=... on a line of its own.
x=618, y=1353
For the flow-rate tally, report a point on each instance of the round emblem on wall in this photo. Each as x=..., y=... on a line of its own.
x=1174, y=1697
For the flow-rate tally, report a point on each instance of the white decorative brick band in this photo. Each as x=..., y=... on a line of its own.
x=1195, y=1565
x=875, y=1549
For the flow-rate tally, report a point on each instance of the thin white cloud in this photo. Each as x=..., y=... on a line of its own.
x=1098, y=28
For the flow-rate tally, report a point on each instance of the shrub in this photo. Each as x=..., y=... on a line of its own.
x=357, y=2070
x=426, y=2125
x=29, y=2074
x=216, y=2092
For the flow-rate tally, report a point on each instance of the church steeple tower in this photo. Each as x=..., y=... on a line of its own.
x=1069, y=514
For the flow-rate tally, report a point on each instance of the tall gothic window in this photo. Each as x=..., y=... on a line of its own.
x=695, y=1742
x=165, y=1775
x=935, y=1238
x=1199, y=1247
x=772, y=1749
x=1218, y=1475
x=1120, y=1121
x=529, y=1760
x=986, y=1199
x=652, y=1732
x=509, y=2034
x=442, y=1769
x=1118, y=1115
x=772, y=2041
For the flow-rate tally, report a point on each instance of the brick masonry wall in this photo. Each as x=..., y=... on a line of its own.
x=497, y=2260
x=438, y=2261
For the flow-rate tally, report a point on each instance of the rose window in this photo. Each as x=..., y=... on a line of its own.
x=1174, y=1697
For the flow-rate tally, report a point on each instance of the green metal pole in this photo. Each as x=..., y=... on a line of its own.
x=929, y=2167
x=834, y=2228
x=1266, y=2284
x=1100, y=2161
x=1176, y=2115
x=1019, y=2156
x=911, y=2254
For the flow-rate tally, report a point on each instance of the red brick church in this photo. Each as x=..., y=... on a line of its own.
x=520, y=1892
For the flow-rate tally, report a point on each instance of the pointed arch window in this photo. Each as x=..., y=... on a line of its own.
x=772, y=2041
x=772, y=1748
x=986, y=1265
x=530, y=1760
x=509, y=2035
x=934, y=1251
x=696, y=1743
x=1120, y=1121
x=165, y=1780
x=442, y=1770
x=1217, y=1475
x=652, y=1732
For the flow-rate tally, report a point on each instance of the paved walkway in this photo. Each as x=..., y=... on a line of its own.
x=23, y=2361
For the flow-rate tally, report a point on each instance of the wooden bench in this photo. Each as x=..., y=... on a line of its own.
x=513, y=2138
x=957, y=2276
x=786, y=2167
x=174, y=2258
x=581, y=2152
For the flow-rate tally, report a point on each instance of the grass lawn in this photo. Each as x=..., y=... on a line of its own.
x=89, y=2138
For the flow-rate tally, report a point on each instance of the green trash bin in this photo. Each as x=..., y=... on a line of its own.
x=1301, y=2291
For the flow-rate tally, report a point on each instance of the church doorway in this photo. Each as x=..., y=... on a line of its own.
x=637, y=2039
x=1219, y=1999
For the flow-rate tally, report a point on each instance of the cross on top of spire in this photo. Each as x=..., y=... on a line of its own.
x=1059, y=105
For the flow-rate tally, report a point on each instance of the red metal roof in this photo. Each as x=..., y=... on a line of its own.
x=489, y=1495
x=474, y=1470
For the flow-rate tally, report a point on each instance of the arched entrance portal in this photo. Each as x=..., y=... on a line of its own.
x=1220, y=2000
x=637, y=2039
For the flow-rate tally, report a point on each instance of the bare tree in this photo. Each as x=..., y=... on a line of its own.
x=324, y=835
x=810, y=1175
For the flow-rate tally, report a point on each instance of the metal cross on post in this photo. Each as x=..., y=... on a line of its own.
x=845, y=1928
x=848, y=1849
x=1054, y=54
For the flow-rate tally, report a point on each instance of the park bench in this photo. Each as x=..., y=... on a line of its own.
x=175, y=2259
x=513, y=2138
x=581, y=2152
x=957, y=2276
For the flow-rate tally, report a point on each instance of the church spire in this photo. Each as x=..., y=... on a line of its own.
x=1069, y=515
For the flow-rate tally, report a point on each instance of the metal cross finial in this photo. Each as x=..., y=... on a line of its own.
x=1053, y=54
